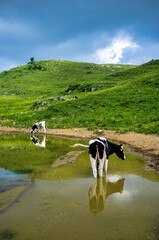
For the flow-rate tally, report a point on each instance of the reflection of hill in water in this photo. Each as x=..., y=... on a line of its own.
x=102, y=189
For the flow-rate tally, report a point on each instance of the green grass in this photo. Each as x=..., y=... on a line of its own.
x=116, y=97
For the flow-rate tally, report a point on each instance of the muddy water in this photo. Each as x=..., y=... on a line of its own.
x=38, y=201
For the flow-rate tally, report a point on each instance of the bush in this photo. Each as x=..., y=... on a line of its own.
x=35, y=66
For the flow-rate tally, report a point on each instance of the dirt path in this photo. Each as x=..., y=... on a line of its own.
x=147, y=145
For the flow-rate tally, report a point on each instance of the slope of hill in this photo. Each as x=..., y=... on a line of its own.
x=115, y=97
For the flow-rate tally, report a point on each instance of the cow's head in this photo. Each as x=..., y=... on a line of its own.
x=120, y=152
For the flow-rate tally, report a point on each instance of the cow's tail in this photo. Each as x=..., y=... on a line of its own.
x=80, y=145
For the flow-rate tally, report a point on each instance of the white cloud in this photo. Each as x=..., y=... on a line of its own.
x=113, y=53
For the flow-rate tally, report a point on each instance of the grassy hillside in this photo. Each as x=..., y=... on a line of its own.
x=117, y=97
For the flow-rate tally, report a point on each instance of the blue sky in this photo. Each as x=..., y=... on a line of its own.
x=99, y=31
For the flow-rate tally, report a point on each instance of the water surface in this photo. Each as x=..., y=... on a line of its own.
x=66, y=202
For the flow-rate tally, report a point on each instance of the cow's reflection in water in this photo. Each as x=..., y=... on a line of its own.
x=100, y=190
x=38, y=142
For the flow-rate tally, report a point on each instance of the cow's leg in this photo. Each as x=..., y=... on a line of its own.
x=106, y=165
x=44, y=126
x=34, y=131
x=93, y=164
x=100, y=168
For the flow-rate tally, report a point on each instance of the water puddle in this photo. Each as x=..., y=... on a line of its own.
x=48, y=192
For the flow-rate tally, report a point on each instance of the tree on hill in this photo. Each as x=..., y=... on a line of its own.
x=32, y=60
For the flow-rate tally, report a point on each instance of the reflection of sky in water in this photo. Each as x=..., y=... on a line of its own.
x=9, y=180
x=139, y=195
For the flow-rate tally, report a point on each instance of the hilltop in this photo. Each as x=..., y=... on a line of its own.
x=110, y=97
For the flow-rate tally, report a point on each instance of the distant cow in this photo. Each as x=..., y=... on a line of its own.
x=38, y=126
x=99, y=151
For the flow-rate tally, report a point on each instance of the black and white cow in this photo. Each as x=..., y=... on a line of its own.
x=38, y=126
x=99, y=151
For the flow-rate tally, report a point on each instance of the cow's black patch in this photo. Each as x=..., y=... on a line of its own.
x=34, y=127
